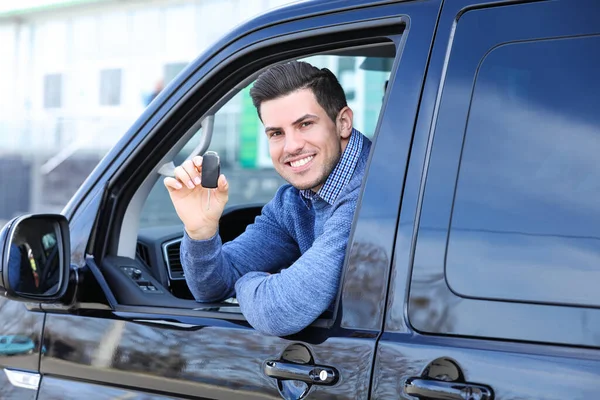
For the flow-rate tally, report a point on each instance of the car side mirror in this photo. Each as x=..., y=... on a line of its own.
x=35, y=258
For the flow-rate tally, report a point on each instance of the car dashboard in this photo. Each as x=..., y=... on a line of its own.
x=157, y=248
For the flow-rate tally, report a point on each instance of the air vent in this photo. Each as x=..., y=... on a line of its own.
x=141, y=250
x=172, y=259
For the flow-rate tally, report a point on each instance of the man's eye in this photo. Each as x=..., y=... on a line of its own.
x=306, y=123
x=275, y=133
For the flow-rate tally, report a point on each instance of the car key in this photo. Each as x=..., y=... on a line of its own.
x=211, y=169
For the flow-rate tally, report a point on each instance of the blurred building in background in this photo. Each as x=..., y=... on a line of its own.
x=75, y=74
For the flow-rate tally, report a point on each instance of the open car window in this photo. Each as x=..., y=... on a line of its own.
x=238, y=136
x=239, y=139
x=148, y=232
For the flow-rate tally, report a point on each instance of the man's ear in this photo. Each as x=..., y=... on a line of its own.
x=344, y=122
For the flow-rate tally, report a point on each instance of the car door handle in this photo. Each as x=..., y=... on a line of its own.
x=314, y=374
x=431, y=389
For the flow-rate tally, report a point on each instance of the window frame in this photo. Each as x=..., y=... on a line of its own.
x=127, y=177
x=433, y=308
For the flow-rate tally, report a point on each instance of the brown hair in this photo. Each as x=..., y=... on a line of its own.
x=283, y=79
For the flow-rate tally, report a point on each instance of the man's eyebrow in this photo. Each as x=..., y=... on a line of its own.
x=302, y=118
x=272, y=128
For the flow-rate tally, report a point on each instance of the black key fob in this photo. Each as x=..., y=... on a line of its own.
x=211, y=169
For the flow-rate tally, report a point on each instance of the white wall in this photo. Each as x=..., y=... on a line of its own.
x=138, y=37
x=8, y=68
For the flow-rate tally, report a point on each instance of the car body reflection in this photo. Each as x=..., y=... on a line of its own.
x=11, y=345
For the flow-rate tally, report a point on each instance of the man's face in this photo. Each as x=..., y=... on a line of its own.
x=304, y=143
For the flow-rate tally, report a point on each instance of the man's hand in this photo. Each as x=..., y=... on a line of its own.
x=191, y=199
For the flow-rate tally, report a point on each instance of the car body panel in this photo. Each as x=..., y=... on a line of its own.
x=20, y=346
x=513, y=369
x=389, y=326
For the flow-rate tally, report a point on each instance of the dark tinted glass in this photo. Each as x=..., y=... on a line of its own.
x=526, y=217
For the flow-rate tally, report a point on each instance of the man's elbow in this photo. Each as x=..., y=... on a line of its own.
x=207, y=296
x=273, y=321
x=273, y=314
x=275, y=328
x=203, y=298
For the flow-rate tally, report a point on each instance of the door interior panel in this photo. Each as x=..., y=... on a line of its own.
x=156, y=271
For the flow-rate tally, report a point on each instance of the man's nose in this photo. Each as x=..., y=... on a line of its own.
x=294, y=142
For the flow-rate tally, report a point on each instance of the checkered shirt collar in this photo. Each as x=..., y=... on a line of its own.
x=341, y=174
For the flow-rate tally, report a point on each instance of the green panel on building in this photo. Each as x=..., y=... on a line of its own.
x=249, y=124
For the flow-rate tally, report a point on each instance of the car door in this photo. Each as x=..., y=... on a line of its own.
x=20, y=347
x=114, y=342
x=494, y=279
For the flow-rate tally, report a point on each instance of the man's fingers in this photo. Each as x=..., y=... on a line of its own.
x=192, y=172
x=197, y=160
x=188, y=174
x=222, y=185
x=183, y=177
x=222, y=190
x=172, y=184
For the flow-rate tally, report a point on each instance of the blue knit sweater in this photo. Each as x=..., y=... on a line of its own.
x=306, y=237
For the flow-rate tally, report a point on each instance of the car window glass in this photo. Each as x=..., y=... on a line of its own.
x=526, y=217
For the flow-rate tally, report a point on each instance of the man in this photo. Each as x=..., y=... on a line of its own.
x=304, y=228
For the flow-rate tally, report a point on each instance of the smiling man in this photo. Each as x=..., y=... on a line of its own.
x=285, y=268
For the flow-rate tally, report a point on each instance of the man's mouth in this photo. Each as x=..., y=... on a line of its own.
x=301, y=162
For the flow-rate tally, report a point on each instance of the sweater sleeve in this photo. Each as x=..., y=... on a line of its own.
x=212, y=269
x=285, y=303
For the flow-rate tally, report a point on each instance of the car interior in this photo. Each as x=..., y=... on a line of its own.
x=146, y=269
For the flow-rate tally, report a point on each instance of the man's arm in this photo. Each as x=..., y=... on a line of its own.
x=212, y=269
x=285, y=303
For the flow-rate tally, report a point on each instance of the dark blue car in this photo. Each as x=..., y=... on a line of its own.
x=472, y=267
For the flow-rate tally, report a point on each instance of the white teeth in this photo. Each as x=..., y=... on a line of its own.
x=300, y=163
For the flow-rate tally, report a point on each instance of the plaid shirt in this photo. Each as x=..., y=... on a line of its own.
x=341, y=174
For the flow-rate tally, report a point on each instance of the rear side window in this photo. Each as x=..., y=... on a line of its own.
x=508, y=237
x=526, y=215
